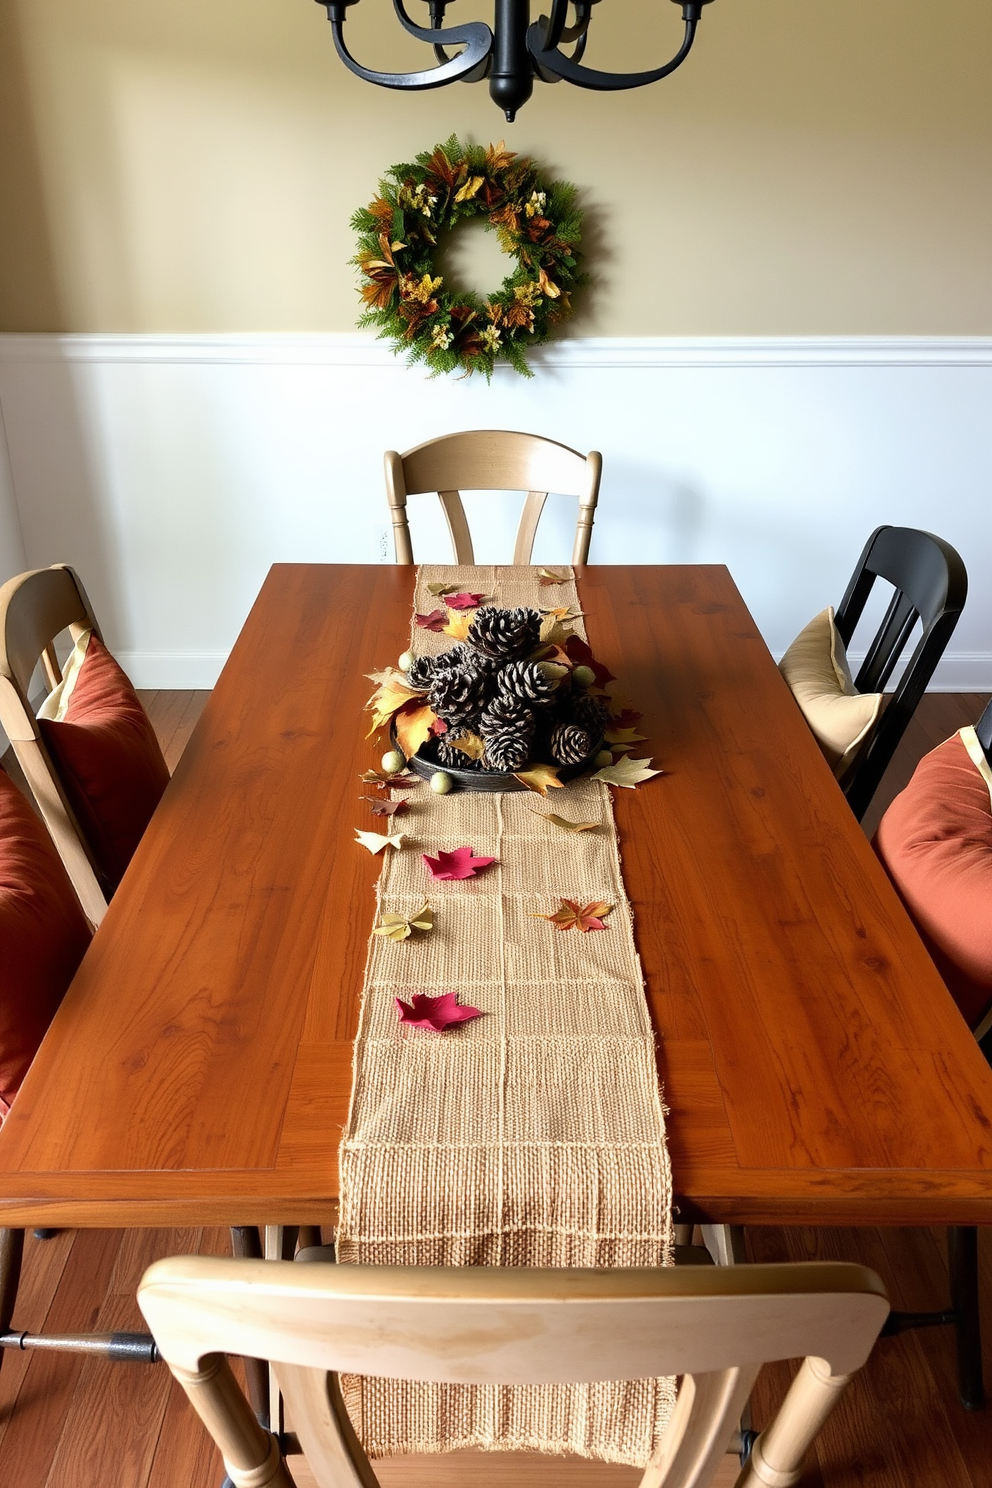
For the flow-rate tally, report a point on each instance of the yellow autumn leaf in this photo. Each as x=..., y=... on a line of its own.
x=468, y=744
x=539, y=778
x=375, y=841
x=413, y=727
x=565, y=824
x=399, y=927
x=458, y=624
x=470, y=189
x=547, y=576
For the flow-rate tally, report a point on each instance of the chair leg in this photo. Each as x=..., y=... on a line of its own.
x=962, y=1257
x=11, y=1253
x=245, y=1241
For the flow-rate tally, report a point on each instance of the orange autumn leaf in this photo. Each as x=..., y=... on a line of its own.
x=575, y=916
x=387, y=701
x=413, y=726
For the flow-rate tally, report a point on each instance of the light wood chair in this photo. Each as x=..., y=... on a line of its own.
x=492, y=460
x=36, y=607
x=714, y=1326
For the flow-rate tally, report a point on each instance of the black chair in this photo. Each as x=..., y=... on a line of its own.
x=931, y=586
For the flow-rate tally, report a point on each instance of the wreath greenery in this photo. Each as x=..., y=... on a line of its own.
x=537, y=223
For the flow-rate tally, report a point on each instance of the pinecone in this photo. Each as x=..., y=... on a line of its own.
x=421, y=674
x=459, y=694
x=525, y=680
x=506, y=712
x=456, y=656
x=507, y=749
x=504, y=634
x=570, y=745
x=590, y=713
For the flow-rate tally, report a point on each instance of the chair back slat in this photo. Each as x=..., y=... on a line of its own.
x=888, y=644
x=461, y=538
x=931, y=585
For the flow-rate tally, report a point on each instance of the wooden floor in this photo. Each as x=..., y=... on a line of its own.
x=77, y=1423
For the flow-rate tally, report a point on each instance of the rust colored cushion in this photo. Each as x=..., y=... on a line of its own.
x=935, y=842
x=43, y=936
x=106, y=755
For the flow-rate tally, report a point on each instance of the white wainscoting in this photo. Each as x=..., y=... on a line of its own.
x=172, y=470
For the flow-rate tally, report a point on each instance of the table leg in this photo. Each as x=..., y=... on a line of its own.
x=962, y=1259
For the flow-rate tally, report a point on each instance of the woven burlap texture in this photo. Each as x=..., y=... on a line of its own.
x=532, y=1136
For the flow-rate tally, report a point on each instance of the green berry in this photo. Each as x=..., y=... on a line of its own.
x=393, y=762
x=441, y=783
x=583, y=676
x=603, y=758
x=406, y=661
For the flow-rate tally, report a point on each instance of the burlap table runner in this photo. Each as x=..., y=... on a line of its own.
x=532, y=1136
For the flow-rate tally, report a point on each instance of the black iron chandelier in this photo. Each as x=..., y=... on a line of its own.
x=513, y=53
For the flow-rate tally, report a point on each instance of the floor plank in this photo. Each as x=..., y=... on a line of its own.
x=68, y=1422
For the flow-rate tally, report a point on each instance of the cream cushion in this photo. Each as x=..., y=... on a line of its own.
x=816, y=669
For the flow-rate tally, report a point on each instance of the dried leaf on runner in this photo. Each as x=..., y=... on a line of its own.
x=627, y=772
x=463, y=601
x=546, y=577
x=575, y=916
x=563, y=612
x=375, y=841
x=387, y=808
x=468, y=744
x=539, y=778
x=402, y=779
x=436, y=1013
x=400, y=927
x=440, y=589
x=458, y=624
x=564, y=823
x=460, y=863
x=413, y=726
x=436, y=620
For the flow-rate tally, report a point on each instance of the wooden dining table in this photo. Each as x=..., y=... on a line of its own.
x=814, y=1067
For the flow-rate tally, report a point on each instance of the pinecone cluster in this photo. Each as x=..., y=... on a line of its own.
x=489, y=687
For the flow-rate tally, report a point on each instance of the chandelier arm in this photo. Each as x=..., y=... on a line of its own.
x=555, y=27
x=602, y=82
x=476, y=38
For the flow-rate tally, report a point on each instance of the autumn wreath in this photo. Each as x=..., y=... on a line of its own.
x=536, y=222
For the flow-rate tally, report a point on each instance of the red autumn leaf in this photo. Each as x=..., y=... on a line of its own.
x=387, y=808
x=575, y=916
x=457, y=864
x=435, y=1013
x=579, y=652
x=436, y=620
x=463, y=601
x=439, y=727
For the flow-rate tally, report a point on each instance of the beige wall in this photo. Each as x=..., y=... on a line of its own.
x=817, y=167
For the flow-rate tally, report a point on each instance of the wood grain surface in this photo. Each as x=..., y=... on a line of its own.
x=199, y=1071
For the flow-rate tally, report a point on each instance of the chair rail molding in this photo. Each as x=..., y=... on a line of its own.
x=171, y=470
